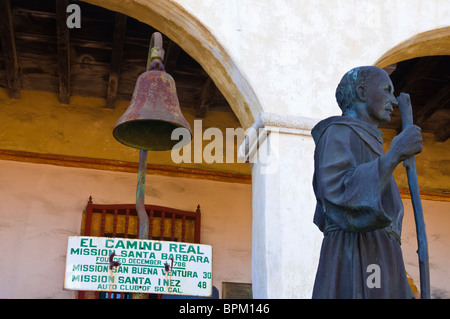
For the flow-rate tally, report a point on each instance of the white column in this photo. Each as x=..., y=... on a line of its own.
x=286, y=243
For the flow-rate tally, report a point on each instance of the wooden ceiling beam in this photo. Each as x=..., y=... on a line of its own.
x=443, y=133
x=206, y=98
x=120, y=26
x=9, y=49
x=440, y=100
x=63, y=45
x=171, y=57
x=421, y=68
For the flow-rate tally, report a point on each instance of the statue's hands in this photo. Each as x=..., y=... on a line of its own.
x=404, y=99
x=403, y=146
x=407, y=143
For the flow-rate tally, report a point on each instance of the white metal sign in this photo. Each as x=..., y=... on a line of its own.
x=134, y=265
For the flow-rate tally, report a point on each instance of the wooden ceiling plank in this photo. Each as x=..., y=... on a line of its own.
x=9, y=49
x=206, y=98
x=63, y=44
x=440, y=100
x=120, y=25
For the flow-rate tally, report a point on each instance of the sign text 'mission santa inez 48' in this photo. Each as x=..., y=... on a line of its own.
x=133, y=265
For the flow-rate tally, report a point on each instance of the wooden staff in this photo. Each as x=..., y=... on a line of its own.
x=411, y=172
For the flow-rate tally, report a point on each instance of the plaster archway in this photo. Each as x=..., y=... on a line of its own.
x=429, y=43
x=171, y=19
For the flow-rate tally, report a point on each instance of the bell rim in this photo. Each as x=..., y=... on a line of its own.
x=177, y=124
x=123, y=141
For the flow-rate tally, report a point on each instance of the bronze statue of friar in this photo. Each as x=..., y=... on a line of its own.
x=359, y=208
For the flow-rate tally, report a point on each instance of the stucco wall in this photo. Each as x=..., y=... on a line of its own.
x=41, y=205
x=293, y=53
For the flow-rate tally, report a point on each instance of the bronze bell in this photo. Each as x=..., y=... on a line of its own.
x=154, y=111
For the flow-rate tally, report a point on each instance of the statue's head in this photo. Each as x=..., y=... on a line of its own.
x=367, y=93
x=346, y=94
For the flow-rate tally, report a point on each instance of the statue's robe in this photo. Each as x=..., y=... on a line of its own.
x=359, y=213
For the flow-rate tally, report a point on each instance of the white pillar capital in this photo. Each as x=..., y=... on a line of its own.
x=267, y=123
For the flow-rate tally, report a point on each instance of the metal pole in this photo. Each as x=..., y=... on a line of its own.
x=140, y=196
x=140, y=206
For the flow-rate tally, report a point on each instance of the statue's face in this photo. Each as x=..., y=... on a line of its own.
x=380, y=99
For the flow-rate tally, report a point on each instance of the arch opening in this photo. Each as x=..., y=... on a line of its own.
x=195, y=39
